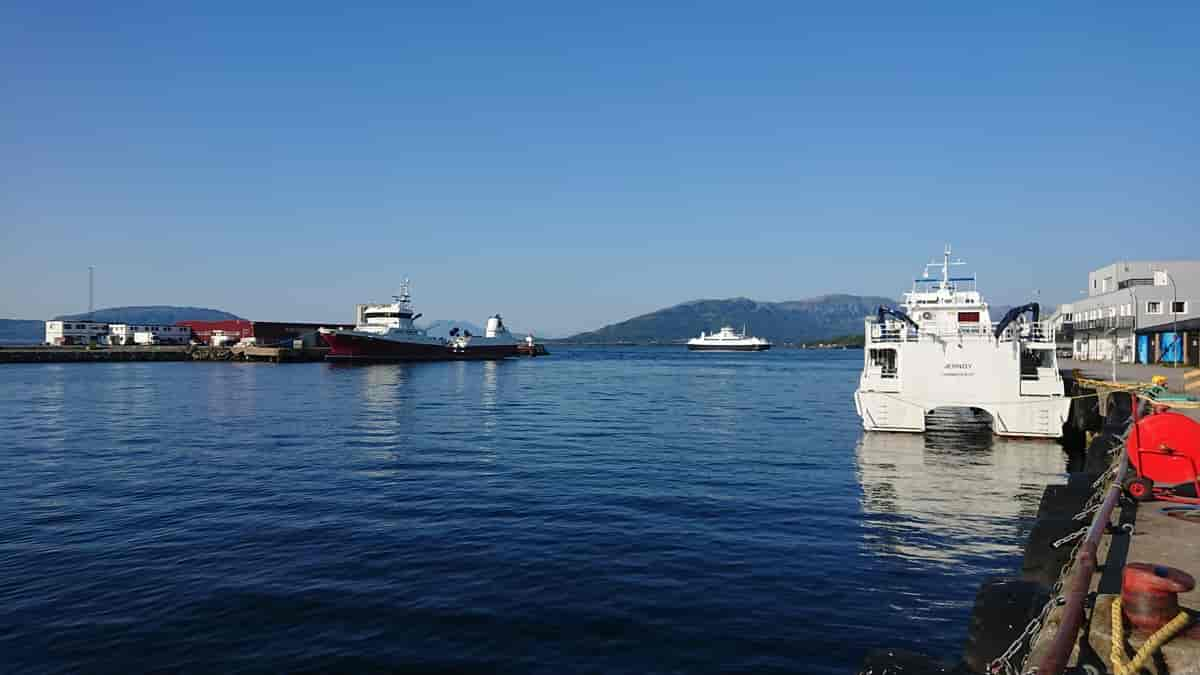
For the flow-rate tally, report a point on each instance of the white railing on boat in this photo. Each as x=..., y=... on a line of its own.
x=897, y=331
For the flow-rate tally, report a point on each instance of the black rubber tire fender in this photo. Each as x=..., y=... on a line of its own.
x=1043, y=563
x=1003, y=607
x=1063, y=501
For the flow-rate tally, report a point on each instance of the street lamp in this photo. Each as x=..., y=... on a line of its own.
x=1174, y=315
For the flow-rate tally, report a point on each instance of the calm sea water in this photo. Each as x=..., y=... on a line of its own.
x=602, y=510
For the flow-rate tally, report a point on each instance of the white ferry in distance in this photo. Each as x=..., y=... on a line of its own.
x=726, y=340
x=943, y=351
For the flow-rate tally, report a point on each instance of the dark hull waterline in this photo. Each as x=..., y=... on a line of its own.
x=344, y=347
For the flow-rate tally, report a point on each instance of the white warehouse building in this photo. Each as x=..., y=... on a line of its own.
x=76, y=332
x=1145, y=311
x=141, y=334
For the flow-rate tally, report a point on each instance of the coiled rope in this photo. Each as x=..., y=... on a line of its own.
x=1117, y=654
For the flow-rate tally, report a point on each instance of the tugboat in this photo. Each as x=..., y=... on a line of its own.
x=727, y=340
x=385, y=332
x=943, y=351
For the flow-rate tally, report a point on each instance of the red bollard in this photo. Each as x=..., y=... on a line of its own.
x=1150, y=594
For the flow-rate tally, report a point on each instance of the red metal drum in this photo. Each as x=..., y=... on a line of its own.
x=1150, y=594
x=1169, y=445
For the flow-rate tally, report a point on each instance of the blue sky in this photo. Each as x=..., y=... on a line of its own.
x=574, y=164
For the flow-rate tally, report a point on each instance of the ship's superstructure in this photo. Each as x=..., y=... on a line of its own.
x=943, y=350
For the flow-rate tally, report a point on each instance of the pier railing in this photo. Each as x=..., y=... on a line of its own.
x=1056, y=656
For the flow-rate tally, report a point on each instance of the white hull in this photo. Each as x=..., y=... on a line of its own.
x=1029, y=418
x=979, y=374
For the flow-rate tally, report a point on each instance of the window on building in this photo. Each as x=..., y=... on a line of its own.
x=1112, y=311
x=1154, y=307
x=1135, y=282
x=1179, y=307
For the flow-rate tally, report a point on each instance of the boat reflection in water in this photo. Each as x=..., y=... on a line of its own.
x=956, y=494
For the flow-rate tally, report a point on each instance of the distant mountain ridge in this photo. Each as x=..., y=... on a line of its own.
x=818, y=318
x=159, y=314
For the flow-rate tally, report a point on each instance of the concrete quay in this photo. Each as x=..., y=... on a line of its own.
x=1054, y=615
x=85, y=354
x=1134, y=532
x=102, y=354
x=1180, y=380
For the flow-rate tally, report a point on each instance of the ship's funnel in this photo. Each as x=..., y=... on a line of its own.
x=495, y=327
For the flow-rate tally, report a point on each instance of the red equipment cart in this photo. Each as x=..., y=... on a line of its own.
x=1164, y=449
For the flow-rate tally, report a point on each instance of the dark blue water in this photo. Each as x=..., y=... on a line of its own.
x=601, y=510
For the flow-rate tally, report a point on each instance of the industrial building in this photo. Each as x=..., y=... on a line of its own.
x=76, y=332
x=265, y=333
x=1143, y=311
x=148, y=334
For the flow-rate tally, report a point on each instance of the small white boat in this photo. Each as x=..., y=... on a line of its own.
x=728, y=340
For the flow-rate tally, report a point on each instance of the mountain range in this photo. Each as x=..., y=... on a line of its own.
x=817, y=318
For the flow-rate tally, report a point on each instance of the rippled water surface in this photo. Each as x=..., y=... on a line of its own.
x=602, y=510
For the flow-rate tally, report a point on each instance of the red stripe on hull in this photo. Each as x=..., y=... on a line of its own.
x=344, y=347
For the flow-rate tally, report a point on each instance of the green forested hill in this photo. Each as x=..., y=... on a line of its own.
x=793, y=321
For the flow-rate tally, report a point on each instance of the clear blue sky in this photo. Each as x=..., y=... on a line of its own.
x=574, y=164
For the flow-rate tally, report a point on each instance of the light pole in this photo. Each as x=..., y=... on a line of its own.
x=1177, y=340
x=1133, y=339
x=1175, y=317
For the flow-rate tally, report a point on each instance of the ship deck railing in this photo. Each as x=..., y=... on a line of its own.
x=1041, y=332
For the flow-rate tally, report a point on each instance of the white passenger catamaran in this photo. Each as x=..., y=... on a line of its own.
x=943, y=351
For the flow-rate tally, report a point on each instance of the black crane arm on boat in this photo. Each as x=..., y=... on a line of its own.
x=884, y=310
x=1033, y=308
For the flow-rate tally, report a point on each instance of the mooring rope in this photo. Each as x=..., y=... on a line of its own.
x=1117, y=654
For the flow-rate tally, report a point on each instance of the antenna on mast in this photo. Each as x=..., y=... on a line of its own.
x=946, y=267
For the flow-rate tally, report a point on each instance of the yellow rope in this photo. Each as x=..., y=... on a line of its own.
x=1140, y=387
x=1117, y=653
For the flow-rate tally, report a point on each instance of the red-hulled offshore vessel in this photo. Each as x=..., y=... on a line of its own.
x=386, y=333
